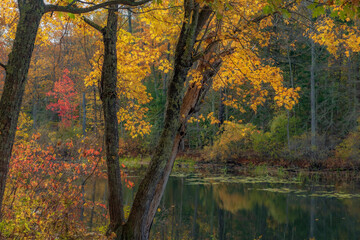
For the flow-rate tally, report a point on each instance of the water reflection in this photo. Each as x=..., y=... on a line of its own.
x=190, y=210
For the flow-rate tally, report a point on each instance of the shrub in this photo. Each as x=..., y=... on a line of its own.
x=262, y=145
x=234, y=141
x=43, y=198
x=244, y=140
x=349, y=148
x=272, y=143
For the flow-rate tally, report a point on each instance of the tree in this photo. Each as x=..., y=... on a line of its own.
x=152, y=186
x=17, y=67
x=109, y=98
x=210, y=43
x=65, y=96
x=119, y=44
x=208, y=56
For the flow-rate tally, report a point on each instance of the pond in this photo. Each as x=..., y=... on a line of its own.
x=233, y=207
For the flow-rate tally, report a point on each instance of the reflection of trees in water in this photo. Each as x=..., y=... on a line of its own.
x=234, y=211
x=244, y=199
x=293, y=216
x=231, y=201
x=96, y=192
x=93, y=207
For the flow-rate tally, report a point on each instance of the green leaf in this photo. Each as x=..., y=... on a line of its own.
x=228, y=6
x=342, y=15
x=334, y=14
x=219, y=16
x=285, y=13
x=71, y=15
x=268, y=9
x=312, y=6
x=318, y=11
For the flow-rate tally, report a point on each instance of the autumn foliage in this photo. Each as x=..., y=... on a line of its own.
x=264, y=50
x=44, y=197
x=65, y=95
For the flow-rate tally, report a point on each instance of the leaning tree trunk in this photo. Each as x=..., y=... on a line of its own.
x=153, y=185
x=190, y=105
x=109, y=100
x=15, y=80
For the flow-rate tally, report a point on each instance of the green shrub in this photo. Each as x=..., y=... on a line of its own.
x=262, y=145
x=244, y=140
x=272, y=143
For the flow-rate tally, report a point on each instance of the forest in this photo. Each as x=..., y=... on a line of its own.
x=179, y=119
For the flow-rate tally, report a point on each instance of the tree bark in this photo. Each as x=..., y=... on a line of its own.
x=108, y=95
x=15, y=80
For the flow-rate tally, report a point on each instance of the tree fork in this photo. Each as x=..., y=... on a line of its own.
x=153, y=185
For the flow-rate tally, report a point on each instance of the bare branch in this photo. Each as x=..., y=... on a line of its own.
x=76, y=10
x=153, y=9
x=93, y=24
x=3, y=65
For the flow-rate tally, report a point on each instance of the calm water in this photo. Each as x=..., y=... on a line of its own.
x=248, y=208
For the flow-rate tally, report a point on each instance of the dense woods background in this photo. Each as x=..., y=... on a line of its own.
x=62, y=90
x=287, y=90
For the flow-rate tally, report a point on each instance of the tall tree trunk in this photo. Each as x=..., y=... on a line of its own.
x=108, y=95
x=357, y=77
x=95, y=113
x=221, y=107
x=153, y=185
x=312, y=92
x=288, y=111
x=129, y=20
x=15, y=80
x=84, y=113
x=312, y=96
